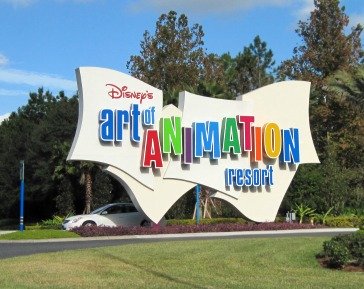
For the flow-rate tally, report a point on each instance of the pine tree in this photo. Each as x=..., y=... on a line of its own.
x=172, y=58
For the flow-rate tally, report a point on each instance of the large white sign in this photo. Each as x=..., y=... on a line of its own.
x=247, y=149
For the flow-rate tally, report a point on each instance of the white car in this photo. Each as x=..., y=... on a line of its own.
x=111, y=215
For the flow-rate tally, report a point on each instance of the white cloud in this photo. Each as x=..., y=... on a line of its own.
x=4, y=116
x=3, y=60
x=36, y=79
x=204, y=6
x=9, y=92
x=307, y=6
x=304, y=11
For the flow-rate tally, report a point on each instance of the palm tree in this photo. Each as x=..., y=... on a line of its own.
x=63, y=168
x=349, y=85
x=86, y=180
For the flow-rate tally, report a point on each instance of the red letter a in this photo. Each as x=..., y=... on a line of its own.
x=152, y=150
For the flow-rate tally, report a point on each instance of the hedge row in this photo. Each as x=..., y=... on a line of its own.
x=345, y=221
x=92, y=231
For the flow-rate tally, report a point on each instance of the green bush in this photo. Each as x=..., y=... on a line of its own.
x=321, y=218
x=355, y=244
x=280, y=219
x=33, y=227
x=352, y=221
x=54, y=223
x=337, y=252
x=206, y=221
x=343, y=249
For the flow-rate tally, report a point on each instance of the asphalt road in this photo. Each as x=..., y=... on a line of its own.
x=9, y=249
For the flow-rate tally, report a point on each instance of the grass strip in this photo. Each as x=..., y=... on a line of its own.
x=226, y=263
x=38, y=234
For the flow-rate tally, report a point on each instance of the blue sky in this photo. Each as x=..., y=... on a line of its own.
x=43, y=41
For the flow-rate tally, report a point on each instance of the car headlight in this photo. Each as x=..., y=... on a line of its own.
x=76, y=219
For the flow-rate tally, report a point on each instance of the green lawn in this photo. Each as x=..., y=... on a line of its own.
x=38, y=234
x=232, y=263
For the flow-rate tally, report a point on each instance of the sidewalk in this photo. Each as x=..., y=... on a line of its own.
x=277, y=233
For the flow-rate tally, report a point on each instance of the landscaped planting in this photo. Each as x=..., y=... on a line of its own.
x=206, y=221
x=343, y=251
x=345, y=221
x=177, y=229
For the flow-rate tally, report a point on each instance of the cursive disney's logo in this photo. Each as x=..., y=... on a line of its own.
x=123, y=92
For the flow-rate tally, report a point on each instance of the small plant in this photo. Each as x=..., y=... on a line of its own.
x=303, y=211
x=54, y=223
x=321, y=218
x=344, y=249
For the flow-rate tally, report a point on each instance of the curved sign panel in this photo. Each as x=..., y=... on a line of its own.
x=247, y=149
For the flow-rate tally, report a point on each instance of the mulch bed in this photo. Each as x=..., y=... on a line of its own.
x=350, y=267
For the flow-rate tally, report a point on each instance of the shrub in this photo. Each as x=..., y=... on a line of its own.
x=345, y=221
x=343, y=249
x=337, y=252
x=180, y=222
x=280, y=219
x=33, y=227
x=54, y=223
x=92, y=231
x=355, y=244
x=321, y=218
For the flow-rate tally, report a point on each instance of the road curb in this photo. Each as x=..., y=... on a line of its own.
x=277, y=233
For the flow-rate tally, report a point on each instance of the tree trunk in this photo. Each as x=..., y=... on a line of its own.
x=88, y=191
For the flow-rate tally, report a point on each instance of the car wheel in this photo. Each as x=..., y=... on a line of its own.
x=145, y=223
x=89, y=223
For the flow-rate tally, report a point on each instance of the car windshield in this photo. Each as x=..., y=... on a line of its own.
x=122, y=207
x=99, y=210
